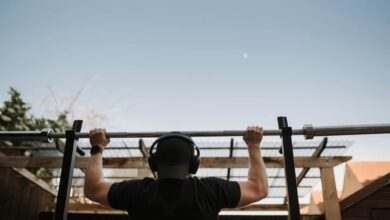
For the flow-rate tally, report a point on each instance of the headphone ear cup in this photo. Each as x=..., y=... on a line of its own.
x=195, y=162
x=152, y=162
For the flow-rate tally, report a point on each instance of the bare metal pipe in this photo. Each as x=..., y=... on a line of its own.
x=352, y=130
x=308, y=131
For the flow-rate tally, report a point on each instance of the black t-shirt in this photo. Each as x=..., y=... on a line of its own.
x=188, y=199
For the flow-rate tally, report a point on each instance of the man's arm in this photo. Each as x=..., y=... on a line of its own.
x=256, y=187
x=95, y=188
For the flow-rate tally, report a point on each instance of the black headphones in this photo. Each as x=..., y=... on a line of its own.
x=195, y=160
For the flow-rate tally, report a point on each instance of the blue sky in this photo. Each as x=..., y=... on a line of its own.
x=203, y=65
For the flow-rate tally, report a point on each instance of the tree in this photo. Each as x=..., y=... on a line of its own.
x=14, y=116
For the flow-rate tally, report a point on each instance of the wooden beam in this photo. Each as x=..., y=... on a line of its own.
x=139, y=162
x=260, y=207
x=329, y=191
x=31, y=177
x=136, y=176
x=94, y=207
x=282, y=187
x=317, y=153
x=34, y=179
x=271, y=162
x=18, y=148
x=144, y=172
x=253, y=207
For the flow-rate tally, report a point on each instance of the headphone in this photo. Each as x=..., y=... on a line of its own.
x=194, y=162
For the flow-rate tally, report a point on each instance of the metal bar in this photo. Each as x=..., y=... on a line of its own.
x=139, y=162
x=351, y=129
x=289, y=169
x=315, y=131
x=308, y=131
x=61, y=212
x=230, y=155
x=37, y=135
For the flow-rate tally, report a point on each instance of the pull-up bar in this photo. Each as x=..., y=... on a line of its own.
x=308, y=131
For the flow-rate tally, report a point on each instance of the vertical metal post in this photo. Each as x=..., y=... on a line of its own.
x=230, y=156
x=317, y=153
x=61, y=212
x=289, y=169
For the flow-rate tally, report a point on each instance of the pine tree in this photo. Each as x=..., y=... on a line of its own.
x=14, y=116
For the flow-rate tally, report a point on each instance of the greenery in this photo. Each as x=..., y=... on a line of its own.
x=15, y=116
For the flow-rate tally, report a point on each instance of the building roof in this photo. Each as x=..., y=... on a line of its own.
x=361, y=178
x=366, y=191
x=359, y=174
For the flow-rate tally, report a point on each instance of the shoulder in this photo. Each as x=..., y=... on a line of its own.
x=225, y=193
x=130, y=184
x=217, y=183
x=122, y=194
x=215, y=180
x=136, y=181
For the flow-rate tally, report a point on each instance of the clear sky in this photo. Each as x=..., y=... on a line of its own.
x=203, y=65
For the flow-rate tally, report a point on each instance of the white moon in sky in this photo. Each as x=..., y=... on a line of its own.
x=245, y=55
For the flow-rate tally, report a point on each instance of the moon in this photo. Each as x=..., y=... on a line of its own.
x=244, y=55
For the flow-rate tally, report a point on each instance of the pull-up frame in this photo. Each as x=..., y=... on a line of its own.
x=285, y=132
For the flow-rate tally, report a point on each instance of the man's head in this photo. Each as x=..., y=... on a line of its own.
x=174, y=157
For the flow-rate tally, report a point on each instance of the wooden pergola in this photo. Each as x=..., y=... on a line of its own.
x=228, y=157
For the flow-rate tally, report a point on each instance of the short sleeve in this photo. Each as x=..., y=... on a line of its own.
x=227, y=193
x=121, y=194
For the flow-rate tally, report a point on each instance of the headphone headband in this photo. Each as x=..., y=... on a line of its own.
x=195, y=161
x=174, y=135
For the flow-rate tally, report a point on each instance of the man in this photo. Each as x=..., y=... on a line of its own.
x=175, y=195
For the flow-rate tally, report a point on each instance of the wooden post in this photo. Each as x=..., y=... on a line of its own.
x=140, y=162
x=144, y=172
x=329, y=192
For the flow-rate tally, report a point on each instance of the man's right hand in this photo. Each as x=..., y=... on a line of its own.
x=253, y=136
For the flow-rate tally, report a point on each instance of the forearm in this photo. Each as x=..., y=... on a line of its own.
x=257, y=173
x=94, y=174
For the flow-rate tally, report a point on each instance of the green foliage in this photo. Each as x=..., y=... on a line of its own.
x=13, y=113
x=14, y=116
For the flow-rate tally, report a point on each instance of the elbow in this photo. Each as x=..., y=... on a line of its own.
x=88, y=192
x=259, y=191
x=263, y=193
x=264, y=190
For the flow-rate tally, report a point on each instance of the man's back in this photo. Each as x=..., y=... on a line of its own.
x=191, y=198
